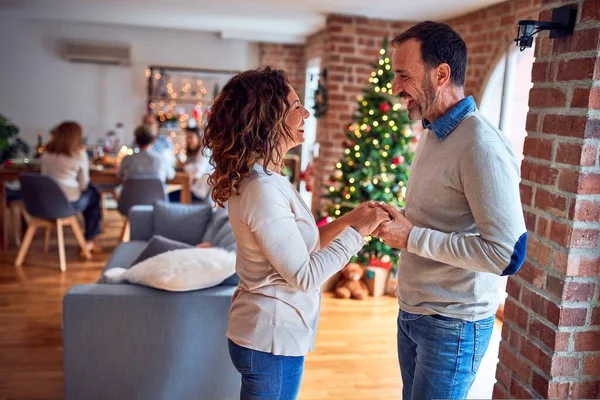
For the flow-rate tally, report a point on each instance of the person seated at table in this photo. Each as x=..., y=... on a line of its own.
x=163, y=145
x=66, y=160
x=145, y=163
x=197, y=166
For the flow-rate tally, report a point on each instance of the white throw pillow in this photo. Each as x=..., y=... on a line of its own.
x=179, y=270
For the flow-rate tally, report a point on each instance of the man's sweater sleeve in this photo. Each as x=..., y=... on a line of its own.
x=490, y=179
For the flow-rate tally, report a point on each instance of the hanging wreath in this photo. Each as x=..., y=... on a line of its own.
x=320, y=107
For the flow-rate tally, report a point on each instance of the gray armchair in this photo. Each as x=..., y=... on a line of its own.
x=127, y=342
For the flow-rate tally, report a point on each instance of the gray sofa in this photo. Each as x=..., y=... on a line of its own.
x=127, y=342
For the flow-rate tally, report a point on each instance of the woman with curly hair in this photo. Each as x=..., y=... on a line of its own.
x=282, y=257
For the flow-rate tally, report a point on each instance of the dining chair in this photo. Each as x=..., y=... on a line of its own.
x=138, y=191
x=47, y=206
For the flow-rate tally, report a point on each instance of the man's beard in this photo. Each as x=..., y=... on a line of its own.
x=423, y=106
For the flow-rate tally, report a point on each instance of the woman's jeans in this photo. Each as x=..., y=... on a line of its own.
x=439, y=356
x=90, y=206
x=267, y=376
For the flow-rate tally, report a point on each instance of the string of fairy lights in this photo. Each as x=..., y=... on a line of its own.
x=190, y=92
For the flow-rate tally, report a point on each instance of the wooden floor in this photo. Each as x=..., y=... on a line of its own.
x=31, y=313
x=355, y=356
x=355, y=353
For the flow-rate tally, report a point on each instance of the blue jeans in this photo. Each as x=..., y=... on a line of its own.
x=267, y=376
x=439, y=356
x=90, y=206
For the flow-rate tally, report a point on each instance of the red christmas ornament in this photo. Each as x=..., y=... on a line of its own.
x=196, y=113
x=368, y=128
x=384, y=107
x=398, y=160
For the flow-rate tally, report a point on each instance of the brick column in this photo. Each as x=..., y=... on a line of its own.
x=551, y=337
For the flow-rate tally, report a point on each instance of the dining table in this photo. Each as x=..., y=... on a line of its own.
x=98, y=176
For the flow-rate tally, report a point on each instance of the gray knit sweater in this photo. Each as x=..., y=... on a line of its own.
x=463, y=200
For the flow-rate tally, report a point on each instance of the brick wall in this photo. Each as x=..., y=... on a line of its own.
x=487, y=33
x=289, y=57
x=551, y=337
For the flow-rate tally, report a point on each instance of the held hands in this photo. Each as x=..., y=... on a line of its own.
x=367, y=217
x=394, y=232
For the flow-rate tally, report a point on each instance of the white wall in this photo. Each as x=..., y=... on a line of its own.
x=38, y=89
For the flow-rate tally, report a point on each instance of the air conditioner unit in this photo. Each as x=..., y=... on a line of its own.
x=97, y=52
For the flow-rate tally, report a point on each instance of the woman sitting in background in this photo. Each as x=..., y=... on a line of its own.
x=197, y=166
x=144, y=163
x=66, y=160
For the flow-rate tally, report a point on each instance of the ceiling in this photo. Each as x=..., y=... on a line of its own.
x=286, y=21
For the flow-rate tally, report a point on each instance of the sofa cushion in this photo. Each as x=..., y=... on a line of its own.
x=225, y=239
x=219, y=231
x=158, y=245
x=123, y=256
x=182, y=222
x=179, y=270
x=219, y=218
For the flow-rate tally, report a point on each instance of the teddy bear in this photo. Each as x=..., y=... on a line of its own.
x=351, y=284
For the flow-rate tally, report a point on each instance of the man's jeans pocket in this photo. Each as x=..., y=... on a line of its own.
x=483, y=333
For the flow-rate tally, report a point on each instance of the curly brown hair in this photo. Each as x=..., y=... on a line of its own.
x=246, y=125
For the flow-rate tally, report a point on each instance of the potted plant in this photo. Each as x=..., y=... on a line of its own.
x=10, y=144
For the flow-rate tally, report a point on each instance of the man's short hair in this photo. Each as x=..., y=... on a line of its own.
x=439, y=44
x=143, y=136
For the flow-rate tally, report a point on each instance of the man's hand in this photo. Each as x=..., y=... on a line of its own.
x=395, y=232
x=367, y=217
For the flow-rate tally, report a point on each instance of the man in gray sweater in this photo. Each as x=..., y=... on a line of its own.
x=463, y=225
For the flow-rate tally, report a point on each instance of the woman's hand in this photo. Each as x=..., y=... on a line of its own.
x=367, y=217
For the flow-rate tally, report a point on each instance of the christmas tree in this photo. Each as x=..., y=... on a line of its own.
x=377, y=156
